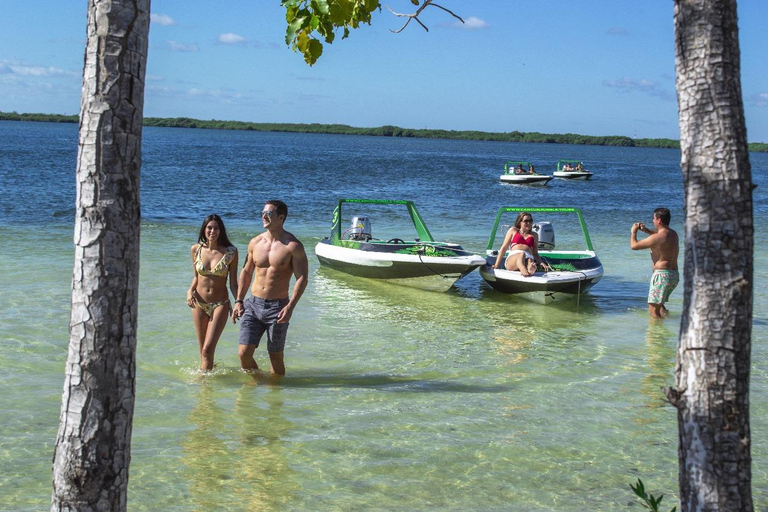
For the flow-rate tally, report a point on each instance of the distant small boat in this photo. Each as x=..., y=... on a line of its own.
x=520, y=173
x=571, y=170
x=420, y=263
x=573, y=271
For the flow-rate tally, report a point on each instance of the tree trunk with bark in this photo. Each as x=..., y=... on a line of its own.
x=713, y=359
x=92, y=453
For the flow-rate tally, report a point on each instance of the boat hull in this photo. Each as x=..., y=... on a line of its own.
x=572, y=175
x=384, y=262
x=545, y=287
x=525, y=180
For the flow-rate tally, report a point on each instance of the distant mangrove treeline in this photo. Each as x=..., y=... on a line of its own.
x=385, y=131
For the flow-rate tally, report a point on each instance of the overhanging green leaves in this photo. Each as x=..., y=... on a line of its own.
x=312, y=20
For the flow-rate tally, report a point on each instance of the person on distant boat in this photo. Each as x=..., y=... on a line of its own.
x=579, y=167
x=214, y=259
x=523, y=245
x=519, y=169
x=531, y=170
x=275, y=256
x=663, y=243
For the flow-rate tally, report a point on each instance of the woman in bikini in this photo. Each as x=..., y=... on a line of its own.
x=214, y=258
x=523, y=245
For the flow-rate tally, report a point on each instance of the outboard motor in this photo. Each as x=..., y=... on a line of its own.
x=546, y=235
x=360, y=229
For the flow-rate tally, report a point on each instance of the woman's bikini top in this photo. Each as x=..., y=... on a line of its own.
x=220, y=269
x=519, y=239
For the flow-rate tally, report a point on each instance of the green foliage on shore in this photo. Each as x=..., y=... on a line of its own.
x=385, y=131
x=46, y=118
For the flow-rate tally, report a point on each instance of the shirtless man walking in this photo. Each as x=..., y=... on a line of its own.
x=275, y=255
x=664, y=245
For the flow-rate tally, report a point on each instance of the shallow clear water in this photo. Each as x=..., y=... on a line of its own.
x=394, y=398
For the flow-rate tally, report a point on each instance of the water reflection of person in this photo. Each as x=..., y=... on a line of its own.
x=205, y=454
x=660, y=343
x=513, y=341
x=266, y=480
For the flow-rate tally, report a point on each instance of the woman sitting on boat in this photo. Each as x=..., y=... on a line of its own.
x=523, y=245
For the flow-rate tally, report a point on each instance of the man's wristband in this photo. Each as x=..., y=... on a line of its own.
x=239, y=301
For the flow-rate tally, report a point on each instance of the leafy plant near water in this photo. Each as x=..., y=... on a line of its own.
x=649, y=500
x=563, y=267
x=427, y=250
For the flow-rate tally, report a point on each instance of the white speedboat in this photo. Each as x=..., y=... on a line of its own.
x=571, y=170
x=574, y=271
x=522, y=173
x=419, y=263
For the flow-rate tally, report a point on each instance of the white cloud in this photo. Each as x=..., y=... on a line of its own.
x=220, y=94
x=154, y=78
x=631, y=84
x=474, y=22
x=15, y=68
x=162, y=19
x=471, y=23
x=642, y=85
x=227, y=96
x=181, y=47
x=760, y=100
x=230, y=38
x=267, y=46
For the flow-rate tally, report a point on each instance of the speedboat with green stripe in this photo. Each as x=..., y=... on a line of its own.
x=575, y=267
x=419, y=262
x=571, y=170
x=522, y=173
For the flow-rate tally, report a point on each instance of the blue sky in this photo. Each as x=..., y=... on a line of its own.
x=561, y=66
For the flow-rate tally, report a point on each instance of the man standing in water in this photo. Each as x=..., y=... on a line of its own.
x=275, y=255
x=663, y=243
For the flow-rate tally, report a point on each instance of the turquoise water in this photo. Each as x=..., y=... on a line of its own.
x=394, y=398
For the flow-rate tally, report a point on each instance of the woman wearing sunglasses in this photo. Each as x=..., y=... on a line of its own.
x=214, y=259
x=523, y=245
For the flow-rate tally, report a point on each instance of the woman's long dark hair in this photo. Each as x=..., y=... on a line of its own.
x=223, y=238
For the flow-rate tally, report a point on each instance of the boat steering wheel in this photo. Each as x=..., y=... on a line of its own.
x=395, y=241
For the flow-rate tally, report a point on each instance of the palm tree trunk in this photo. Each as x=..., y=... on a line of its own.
x=713, y=359
x=92, y=453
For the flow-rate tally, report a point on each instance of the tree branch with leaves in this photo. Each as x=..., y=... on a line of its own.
x=310, y=21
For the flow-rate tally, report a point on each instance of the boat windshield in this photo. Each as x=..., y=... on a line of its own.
x=385, y=220
x=565, y=223
x=517, y=167
x=570, y=165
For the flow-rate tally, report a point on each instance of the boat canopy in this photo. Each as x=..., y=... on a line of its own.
x=418, y=222
x=561, y=163
x=513, y=209
x=509, y=167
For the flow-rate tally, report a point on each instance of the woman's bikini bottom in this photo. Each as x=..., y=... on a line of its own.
x=209, y=307
x=528, y=256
